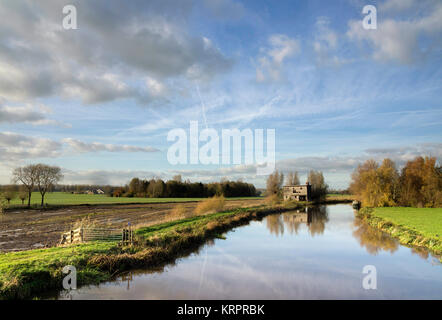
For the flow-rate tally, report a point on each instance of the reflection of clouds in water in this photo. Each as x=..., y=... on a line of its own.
x=254, y=264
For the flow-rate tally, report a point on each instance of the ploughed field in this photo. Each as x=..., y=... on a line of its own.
x=32, y=229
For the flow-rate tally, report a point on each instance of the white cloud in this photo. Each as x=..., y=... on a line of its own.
x=107, y=58
x=398, y=39
x=16, y=147
x=155, y=87
x=397, y=5
x=270, y=63
x=28, y=113
x=80, y=146
x=325, y=43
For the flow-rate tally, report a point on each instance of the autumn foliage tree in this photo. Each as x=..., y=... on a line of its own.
x=419, y=184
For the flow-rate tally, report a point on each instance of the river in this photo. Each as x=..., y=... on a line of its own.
x=319, y=254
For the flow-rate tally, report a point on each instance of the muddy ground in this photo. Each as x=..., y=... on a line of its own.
x=31, y=229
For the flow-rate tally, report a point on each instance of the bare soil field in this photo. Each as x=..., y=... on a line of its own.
x=32, y=229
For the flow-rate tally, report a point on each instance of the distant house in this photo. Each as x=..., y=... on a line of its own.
x=298, y=192
x=94, y=191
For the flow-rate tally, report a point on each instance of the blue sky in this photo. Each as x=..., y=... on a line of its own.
x=99, y=101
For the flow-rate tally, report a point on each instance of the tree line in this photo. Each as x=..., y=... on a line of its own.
x=176, y=188
x=418, y=184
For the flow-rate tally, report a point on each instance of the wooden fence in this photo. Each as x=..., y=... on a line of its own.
x=124, y=236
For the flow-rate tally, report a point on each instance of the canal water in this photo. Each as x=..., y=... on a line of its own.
x=318, y=254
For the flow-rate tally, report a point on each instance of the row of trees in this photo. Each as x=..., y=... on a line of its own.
x=176, y=188
x=35, y=176
x=315, y=178
x=419, y=183
x=10, y=192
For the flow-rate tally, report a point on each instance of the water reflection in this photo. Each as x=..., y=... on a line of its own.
x=282, y=257
x=314, y=218
x=373, y=240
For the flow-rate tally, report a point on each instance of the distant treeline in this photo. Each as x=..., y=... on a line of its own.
x=157, y=188
x=418, y=184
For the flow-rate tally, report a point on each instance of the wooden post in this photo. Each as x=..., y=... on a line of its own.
x=72, y=236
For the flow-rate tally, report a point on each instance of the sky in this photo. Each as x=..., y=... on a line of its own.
x=99, y=100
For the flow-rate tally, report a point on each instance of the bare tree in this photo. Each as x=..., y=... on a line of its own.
x=274, y=183
x=319, y=187
x=28, y=177
x=9, y=193
x=47, y=176
x=22, y=195
x=2, y=202
x=293, y=178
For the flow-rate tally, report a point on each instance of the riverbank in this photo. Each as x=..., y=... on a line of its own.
x=27, y=273
x=418, y=227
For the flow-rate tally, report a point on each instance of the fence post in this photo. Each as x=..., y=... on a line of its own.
x=72, y=236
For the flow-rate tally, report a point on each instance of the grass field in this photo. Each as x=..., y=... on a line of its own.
x=336, y=196
x=63, y=198
x=420, y=227
x=427, y=221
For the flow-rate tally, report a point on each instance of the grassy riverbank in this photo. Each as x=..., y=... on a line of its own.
x=421, y=227
x=27, y=273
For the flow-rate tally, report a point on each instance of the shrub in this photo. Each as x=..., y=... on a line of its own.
x=273, y=200
x=215, y=204
x=178, y=212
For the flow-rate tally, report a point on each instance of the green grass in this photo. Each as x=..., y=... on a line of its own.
x=25, y=272
x=63, y=198
x=338, y=196
x=426, y=221
x=421, y=227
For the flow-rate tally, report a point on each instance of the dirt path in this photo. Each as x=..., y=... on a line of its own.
x=23, y=230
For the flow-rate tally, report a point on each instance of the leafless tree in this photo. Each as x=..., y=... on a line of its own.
x=47, y=176
x=319, y=187
x=274, y=183
x=293, y=178
x=9, y=193
x=22, y=195
x=28, y=177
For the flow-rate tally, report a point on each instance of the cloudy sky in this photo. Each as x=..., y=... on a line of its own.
x=99, y=101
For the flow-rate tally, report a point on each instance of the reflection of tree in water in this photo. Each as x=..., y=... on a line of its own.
x=314, y=217
x=372, y=239
x=275, y=225
x=424, y=254
x=317, y=219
